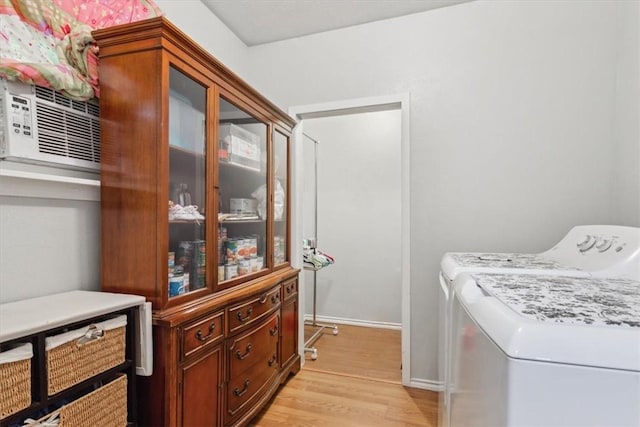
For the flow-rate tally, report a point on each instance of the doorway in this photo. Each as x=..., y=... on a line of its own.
x=363, y=213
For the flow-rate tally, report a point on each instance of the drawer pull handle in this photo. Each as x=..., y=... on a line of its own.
x=273, y=330
x=237, y=392
x=244, y=356
x=289, y=289
x=272, y=360
x=245, y=318
x=263, y=299
x=199, y=336
x=275, y=299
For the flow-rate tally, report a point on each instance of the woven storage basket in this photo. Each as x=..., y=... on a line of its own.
x=15, y=379
x=104, y=407
x=74, y=356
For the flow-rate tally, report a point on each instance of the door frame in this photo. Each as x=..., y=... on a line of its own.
x=349, y=106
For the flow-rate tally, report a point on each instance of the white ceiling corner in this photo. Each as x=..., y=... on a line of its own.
x=263, y=21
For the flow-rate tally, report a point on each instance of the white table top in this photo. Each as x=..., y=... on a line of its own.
x=35, y=315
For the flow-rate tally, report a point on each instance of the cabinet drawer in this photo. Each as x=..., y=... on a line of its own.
x=251, y=348
x=250, y=383
x=251, y=310
x=289, y=289
x=201, y=333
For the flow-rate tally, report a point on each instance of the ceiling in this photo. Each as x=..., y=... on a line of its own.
x=263, y=21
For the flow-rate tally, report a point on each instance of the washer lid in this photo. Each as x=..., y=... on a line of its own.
x=455, y=263
x=580, y=321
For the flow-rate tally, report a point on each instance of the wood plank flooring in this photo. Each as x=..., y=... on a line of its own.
x=357, y=351
x=337, y=392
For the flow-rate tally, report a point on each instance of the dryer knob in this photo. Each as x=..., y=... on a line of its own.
x=604, y=245
x=586, y=244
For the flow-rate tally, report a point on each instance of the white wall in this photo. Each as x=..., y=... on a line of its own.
x=358, y=215
x=49, y=240
x=626, y=173
x=518, y=130
x=206, y=29
x=512, y=109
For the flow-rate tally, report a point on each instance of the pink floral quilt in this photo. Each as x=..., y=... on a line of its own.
x=49, y=42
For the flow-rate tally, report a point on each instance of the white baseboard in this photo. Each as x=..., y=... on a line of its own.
x=426, y=384
x=354, y=322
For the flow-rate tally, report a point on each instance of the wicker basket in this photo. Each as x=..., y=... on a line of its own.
x=75, y=356
x=15, y=379
x=104, y=407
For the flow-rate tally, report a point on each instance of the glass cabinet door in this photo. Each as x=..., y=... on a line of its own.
x=280, y=197
x=187, y=153
x=243, y=194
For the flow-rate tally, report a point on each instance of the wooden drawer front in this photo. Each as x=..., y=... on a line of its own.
x=201, y=333
x=251, y=382
x=289, y=289
x=251, y=348
x=253, y=309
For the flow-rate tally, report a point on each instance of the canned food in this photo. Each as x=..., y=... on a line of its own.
x=252, y=247
x=184, y=254
x=176, y=285
x=199, y=253
x=243, y=249
x=198, y=279
x=222, y=232
x=230, y=271
x=231, y=250
x=244, y=266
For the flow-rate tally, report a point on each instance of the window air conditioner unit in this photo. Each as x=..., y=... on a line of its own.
x=40, y=125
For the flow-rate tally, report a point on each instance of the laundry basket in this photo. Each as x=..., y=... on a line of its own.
x=77, y=355
x=15, y=379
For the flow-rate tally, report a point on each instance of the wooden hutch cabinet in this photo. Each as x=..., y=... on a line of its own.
x=196, y=218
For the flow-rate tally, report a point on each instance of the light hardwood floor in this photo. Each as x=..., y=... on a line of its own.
x=360, y=352
x=343, y=388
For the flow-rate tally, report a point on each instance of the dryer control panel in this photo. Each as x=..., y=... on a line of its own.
x=602, y=250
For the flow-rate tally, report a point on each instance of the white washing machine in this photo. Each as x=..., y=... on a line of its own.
x=545, y=351
x=586, y=251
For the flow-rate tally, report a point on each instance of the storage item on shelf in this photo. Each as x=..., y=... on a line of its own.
x=279, y=200
x=15, y=379
x=243, y=206
x=184, y=213
x=242, y=146
x=105, y=407
x=74, y=356
x=181, y=194
x=186, y=125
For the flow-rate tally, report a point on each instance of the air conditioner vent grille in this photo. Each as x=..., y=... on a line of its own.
x=68, y=134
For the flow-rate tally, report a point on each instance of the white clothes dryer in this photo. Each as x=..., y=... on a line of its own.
x=586, y=251
x=545, y=351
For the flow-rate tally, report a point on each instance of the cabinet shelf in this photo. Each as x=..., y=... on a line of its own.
x=242, y=221
x=185, y=151
x=238, y=166
x=187, y=221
